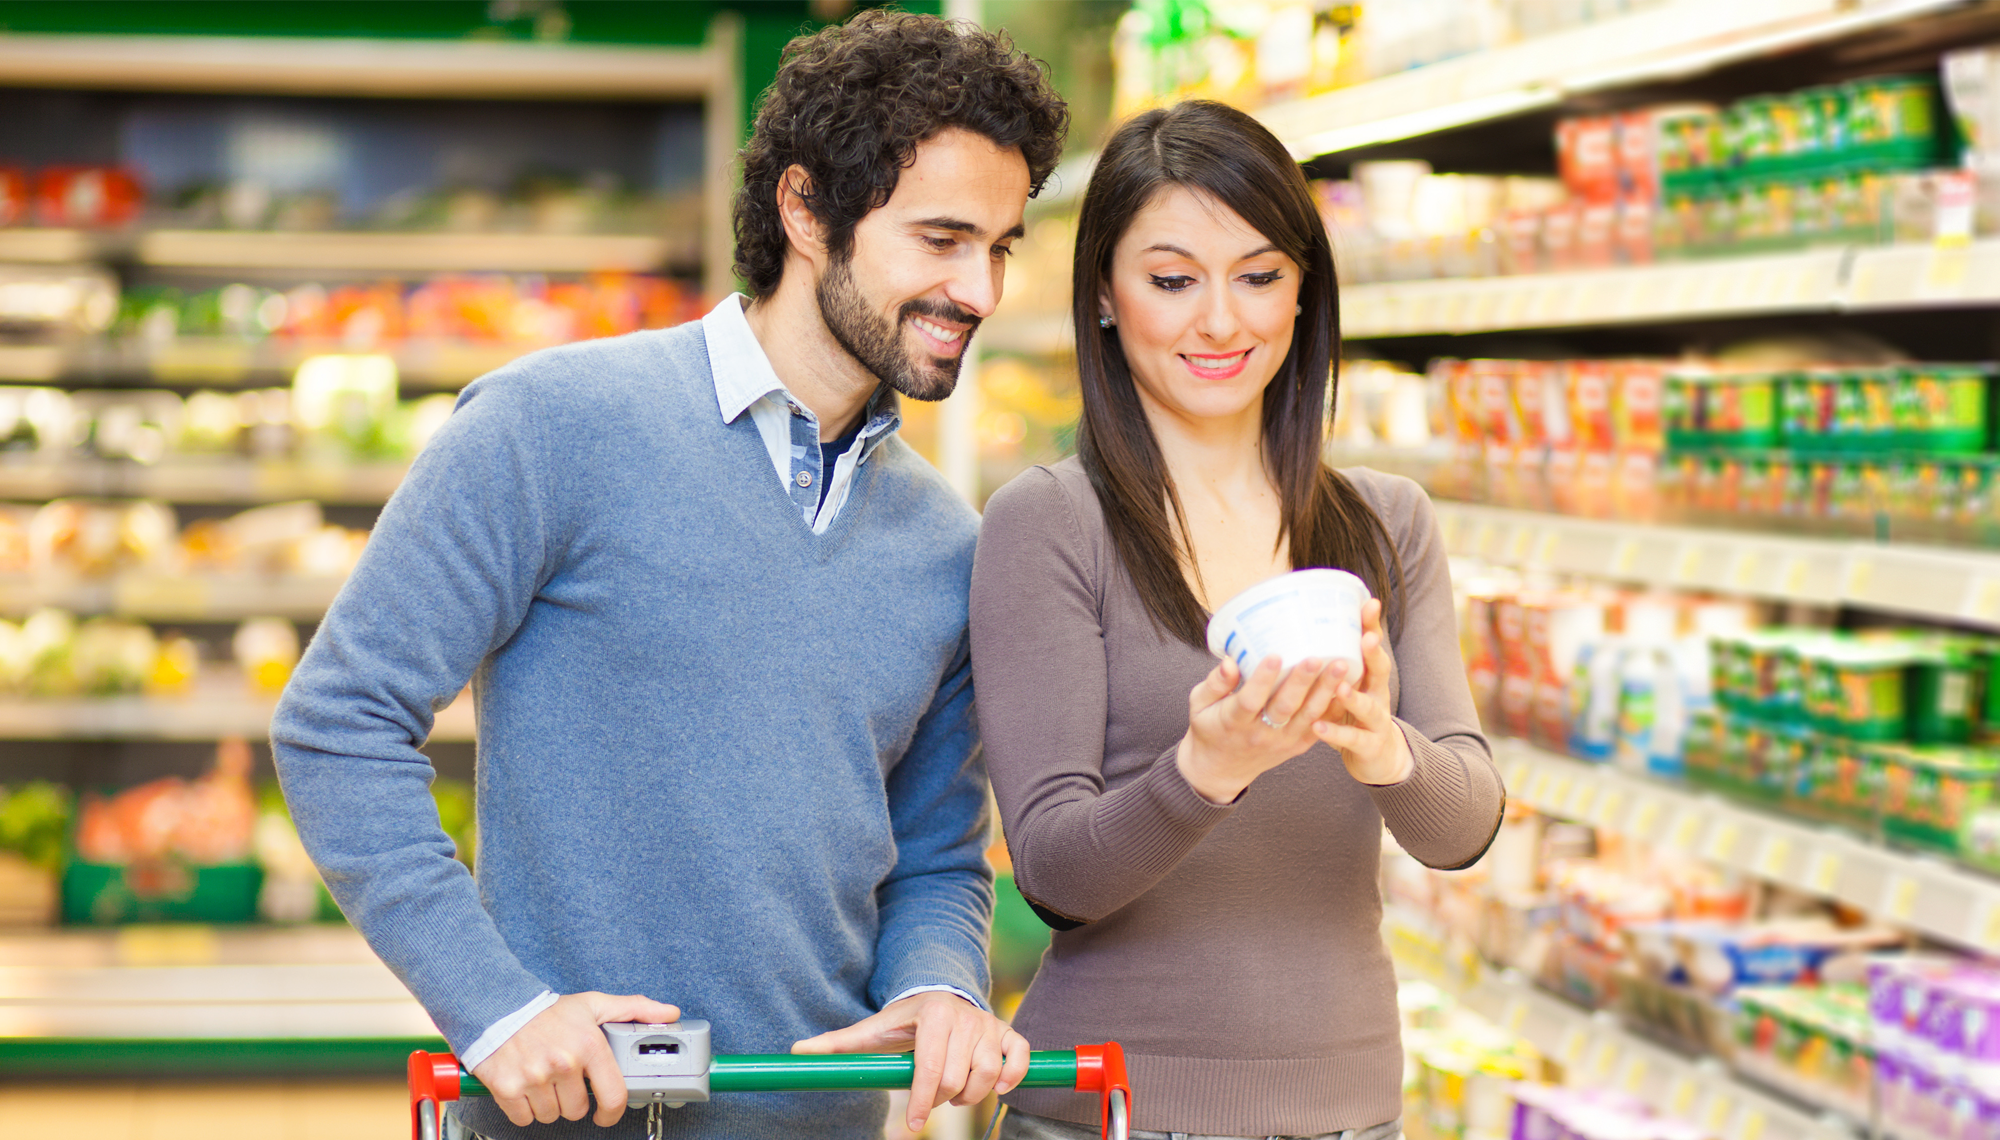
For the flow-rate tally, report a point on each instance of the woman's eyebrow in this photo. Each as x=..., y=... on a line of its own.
x=1267, y=247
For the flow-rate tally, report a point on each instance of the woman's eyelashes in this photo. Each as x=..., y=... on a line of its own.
x=1178, y=284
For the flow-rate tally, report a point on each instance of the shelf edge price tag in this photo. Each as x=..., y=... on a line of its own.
x=1860, y=575
x=1773, y=856
x=1570, y=1052
x=1985, y=604
x=1721, y=841
x=1988, y=928
x=1824, y=873
x=1899, y=898
x=1634, y=1077
x=1749, y=1124
x=1686, y=829
x=1645, y=814
x=1604, y=1060
x=1716, y=1113
x=1607, y=807
x=1556, y=795
x=1582, y=799
x=1681, y=1100
x=1624, y=557
x=1517, y=1015
x=1545, y=547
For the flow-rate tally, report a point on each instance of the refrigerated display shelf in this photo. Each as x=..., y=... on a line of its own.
x=201, y=480
x=173, y=597
x=1960, y=586
x=1597, y=1049
x=233, y=1057
x=378, y=68
x=1661, y=43
x=222, y=706
x=222, y=363
x=379, y=252
x=1918, y=892
x=1802, y=282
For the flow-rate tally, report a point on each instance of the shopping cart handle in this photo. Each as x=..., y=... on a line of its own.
x=436, y=1078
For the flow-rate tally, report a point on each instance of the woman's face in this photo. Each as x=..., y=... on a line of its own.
x=1205, y=306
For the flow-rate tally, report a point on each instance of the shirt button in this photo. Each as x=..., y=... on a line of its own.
x=805, y=479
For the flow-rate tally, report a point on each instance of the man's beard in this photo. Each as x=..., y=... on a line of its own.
x=878, y=344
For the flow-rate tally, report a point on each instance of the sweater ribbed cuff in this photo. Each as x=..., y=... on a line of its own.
x=1160, y=818
x=1428, y=805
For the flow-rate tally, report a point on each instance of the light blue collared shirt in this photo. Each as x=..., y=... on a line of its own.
x=744, y=382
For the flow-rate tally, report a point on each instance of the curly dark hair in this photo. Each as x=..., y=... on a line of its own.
x=852, y=102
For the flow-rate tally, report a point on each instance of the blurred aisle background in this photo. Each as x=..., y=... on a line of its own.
x=1683, y=311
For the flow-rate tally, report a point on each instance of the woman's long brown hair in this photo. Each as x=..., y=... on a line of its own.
x=1225, y=155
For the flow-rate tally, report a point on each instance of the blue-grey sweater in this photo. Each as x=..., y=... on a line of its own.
x=722, y=762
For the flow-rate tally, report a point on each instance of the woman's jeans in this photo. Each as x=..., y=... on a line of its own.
x=1023, y=1126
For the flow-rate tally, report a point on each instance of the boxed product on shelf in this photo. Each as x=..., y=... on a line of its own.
x=1814, y=1041
x=1936, y=1023
x=1551, y=1112
x=170, y=850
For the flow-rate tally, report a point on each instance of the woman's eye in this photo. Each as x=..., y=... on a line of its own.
x=1259, y=280
x=1172, y=284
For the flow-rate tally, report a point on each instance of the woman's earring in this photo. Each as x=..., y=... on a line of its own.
x=1106, y=322
x=1299, y=310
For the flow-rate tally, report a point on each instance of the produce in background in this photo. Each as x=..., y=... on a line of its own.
x=266, y=649
x=34, y=819
x=170, y=850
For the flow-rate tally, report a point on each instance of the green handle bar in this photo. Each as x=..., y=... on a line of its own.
x=791, y=1072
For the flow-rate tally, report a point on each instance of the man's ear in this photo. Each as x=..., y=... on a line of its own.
x=803, y=229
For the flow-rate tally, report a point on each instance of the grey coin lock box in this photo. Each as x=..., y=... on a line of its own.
x=663, y=1064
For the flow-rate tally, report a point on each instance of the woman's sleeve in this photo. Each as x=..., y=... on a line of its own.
x=1080, y=852
x=1448, y=809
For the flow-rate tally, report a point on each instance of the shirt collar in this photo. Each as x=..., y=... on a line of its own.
x=743, y=374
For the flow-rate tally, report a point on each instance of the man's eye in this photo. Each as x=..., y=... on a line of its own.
x=1002, y=252
x=940, y=243
x=1172, y=284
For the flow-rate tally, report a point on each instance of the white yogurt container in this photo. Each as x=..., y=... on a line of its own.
x=1306, y=613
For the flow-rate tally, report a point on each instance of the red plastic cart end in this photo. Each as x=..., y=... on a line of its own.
x=1101, y=1069
x=433, y=1081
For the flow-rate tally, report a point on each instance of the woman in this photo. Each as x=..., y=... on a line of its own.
x=1206, y=844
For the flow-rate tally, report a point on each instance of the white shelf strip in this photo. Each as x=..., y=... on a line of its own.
x=210, y=714
x=1597, y=1051
x=1661, y=42
x=1933, y=582
x=1912, y=891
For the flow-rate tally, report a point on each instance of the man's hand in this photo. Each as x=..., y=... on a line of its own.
x=539, y=1073
x=963, y=1052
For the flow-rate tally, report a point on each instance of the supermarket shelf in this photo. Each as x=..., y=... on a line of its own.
x=173, y=597
x=401, y=252
x=218, y=709
x=1664, y=42
x=373, y=67
x=1925, y=276
x=1912, y=891
x=1599, y=1051
x=1942, y=584
x=1805, y=281
x=56, y=246
x=201, y=480
x=227, y=363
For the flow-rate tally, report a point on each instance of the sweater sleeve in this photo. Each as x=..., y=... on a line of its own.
x=1447, y=810
x=937, y=905
x=1080, y=850
x=448, y=575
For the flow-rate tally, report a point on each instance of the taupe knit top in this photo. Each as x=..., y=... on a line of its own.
x=1235, y=951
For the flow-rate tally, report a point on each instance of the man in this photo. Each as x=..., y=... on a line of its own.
x=714, y=616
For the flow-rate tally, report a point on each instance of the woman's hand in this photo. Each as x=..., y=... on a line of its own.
x=1237, y=734
x=1371, y=743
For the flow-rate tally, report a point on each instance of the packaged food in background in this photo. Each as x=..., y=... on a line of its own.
x=87, y=196
x=92, y=538
x=266, y=649
x=15, y=204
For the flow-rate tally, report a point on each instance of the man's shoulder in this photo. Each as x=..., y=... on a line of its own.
x=925, y=498
x=598, y=377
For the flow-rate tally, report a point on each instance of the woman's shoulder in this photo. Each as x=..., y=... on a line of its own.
x=1398, y=500
x=1046, y=490
x=1048, y=505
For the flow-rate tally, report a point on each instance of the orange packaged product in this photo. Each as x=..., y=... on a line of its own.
x=1632, y=242
x=1595, y=471
x=87, y=196
x=1636, y=392
x=1482, y=661
x=1521, y=242
x=1537, y=403
x=1559, y=227
x=1635, y=485
x=1587, y=156
x=1499, y=414
x=1561, y=475
x=1587, y=386
x=1596, y=234
x=13, y=196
